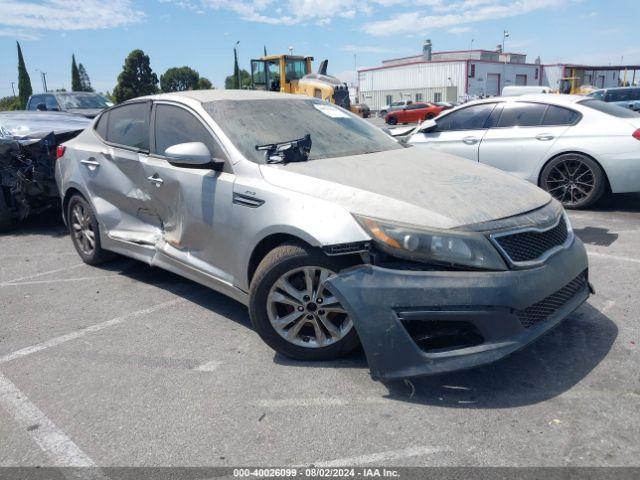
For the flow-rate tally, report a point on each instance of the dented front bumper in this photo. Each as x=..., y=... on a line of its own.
x=419, y=323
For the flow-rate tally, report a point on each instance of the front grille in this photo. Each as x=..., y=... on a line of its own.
x=541, y=311
x=530, y=245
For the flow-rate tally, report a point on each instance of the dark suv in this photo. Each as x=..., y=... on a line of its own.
x=87, y=104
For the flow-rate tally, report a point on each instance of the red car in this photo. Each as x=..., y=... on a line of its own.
x=416, y=112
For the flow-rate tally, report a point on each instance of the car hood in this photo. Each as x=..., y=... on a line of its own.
x=411, y=185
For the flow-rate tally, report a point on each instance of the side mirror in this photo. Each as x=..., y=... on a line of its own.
x=41, y=107
x=427, y=126
x=191, y=154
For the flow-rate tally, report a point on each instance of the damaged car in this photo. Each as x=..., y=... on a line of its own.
x=332, y=233
x=28, y=144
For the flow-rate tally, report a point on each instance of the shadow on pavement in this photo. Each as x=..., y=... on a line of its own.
x=545, y=369
x=619, y=202
x=47, y=223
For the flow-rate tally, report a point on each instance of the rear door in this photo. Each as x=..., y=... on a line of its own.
x=523, y=135
x=192, y=204
x=459, y=132
x=113, y=173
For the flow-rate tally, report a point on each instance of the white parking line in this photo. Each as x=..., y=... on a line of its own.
x=208, y=367
x=318, y=402
x=59, y=280
x=85, y=331
x=613, y=257
x=54, y=443
x=383, y=456
x=42, y=274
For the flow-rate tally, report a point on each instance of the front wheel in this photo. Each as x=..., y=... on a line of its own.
x=392, y=120
x=575, y=180
x=292, y=310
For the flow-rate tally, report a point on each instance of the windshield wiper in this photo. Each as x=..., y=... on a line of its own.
x=285, y=152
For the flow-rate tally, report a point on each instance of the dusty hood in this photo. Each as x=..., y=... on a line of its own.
x=411, y=185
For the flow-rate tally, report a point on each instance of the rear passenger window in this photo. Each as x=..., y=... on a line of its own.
x=176, y=125
x=128, y=125
x=522, y=115
x=559, y=116
x=101, y=126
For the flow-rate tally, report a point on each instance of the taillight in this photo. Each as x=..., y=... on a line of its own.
x=60, y=151
x=636, y=134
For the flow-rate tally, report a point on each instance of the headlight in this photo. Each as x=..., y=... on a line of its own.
x=433, y=246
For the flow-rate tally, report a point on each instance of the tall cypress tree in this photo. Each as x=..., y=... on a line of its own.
x=85, y=82
x=236, y=70
x=24, y=82
x=76, y=83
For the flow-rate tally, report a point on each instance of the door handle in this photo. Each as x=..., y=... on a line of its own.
x=470, y=140
x=156, y=180
x=91, y=163
x=544, y=137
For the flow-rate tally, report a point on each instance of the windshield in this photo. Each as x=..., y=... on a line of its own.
x=610, y=109
x=70, y=101
x=334, y=131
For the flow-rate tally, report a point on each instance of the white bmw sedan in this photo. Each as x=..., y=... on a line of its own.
x=577, y=148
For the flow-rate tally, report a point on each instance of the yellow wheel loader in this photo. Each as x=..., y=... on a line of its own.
x=292, y=74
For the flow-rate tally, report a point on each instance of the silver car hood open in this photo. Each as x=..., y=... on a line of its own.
x=411, y=185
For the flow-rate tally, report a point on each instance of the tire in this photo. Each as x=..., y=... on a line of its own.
x=81, y=228
x=269, y=305
x=392, y=121
x=574, y=179
x=6, y=219
x=429, y=116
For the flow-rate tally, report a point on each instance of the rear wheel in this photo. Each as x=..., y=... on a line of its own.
x=292, y=310
x=574, y=179
x=392, y=120
x=85, y=232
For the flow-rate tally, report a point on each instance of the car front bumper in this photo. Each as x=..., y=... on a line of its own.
x=482, y=316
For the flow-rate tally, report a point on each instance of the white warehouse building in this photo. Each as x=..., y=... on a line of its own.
x=457, y=75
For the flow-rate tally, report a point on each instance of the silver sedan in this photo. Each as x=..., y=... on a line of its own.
x=577, y=148
x=329, y=230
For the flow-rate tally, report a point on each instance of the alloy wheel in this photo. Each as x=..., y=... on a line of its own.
x=571, y=181
x=304, y=312
x=82, y=226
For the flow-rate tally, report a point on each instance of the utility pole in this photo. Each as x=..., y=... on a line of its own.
x=471, y=45
x=44, y=81
x=505, y=35
x=13, y=89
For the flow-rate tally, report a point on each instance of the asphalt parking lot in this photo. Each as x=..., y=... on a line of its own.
x=125, y=364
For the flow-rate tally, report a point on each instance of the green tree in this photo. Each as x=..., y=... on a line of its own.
x=136, y=78
x=204, y=84
x=9, y=103
x=24, y=82
x=85, y=82
x=76, y=83
x=179, y=79
x=231, y=81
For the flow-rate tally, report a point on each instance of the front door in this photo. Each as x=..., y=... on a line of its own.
x=113, y=173
x=193, y=205
x=459, y=132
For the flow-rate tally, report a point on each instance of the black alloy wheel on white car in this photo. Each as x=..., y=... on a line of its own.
x=574, y=179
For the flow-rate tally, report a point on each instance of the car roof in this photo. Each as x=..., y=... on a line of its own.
x=206, y=96
x=553, y=98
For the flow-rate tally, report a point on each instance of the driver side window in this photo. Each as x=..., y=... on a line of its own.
x=174, y=125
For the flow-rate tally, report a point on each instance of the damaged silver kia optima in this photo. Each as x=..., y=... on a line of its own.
x=329, y=230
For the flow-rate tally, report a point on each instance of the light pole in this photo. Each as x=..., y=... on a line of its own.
x=505, y=35
x=43, y=77
x=471, y=45
x=290, y=50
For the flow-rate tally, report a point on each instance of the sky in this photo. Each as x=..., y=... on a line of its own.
x=350, y=33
